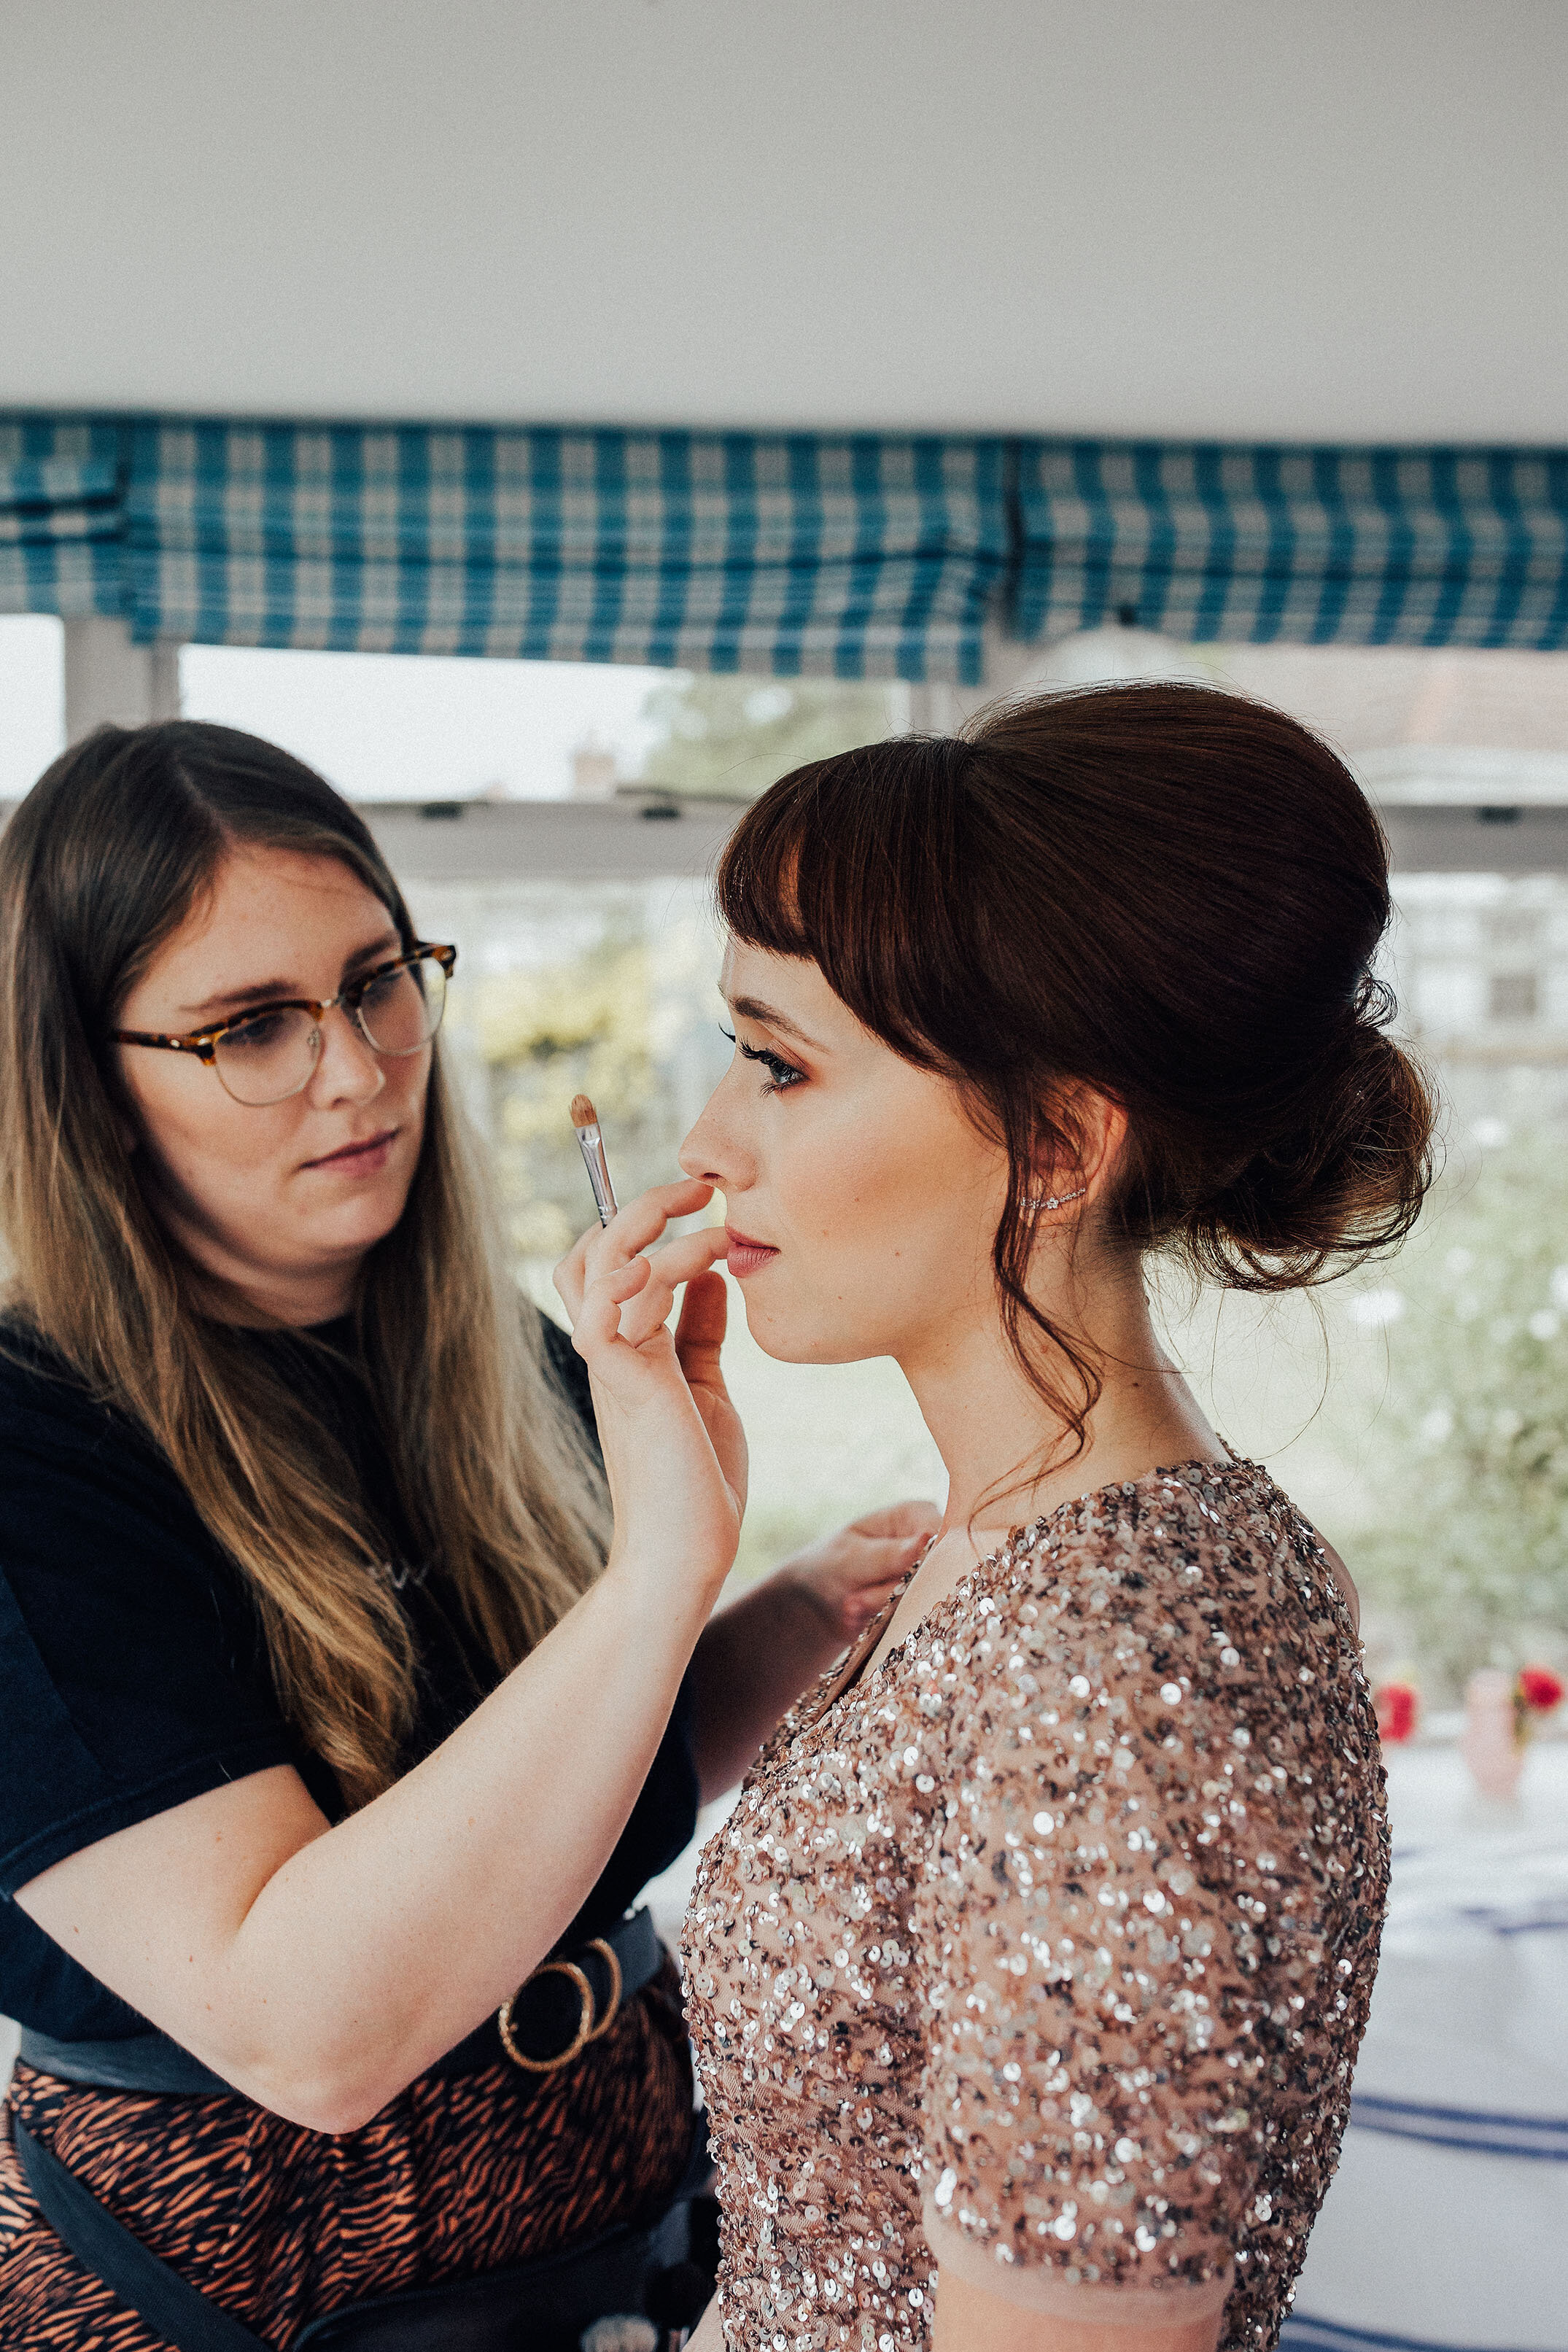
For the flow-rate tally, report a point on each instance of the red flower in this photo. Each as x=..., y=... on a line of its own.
x=1539, y=1689
x=1398, y=1705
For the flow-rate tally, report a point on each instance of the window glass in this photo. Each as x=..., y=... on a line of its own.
x=1418, y=1411
x=1413, y=1411
x=32, y=699
x=421, y=727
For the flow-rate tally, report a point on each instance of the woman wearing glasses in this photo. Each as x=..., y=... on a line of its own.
x=323, y=1720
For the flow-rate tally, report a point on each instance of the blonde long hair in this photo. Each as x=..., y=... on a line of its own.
x=100, y=864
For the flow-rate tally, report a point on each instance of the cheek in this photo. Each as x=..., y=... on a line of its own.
x=201, y=1136
x=866, y=1209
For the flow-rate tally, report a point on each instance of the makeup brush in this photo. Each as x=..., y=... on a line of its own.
x=586, y=1119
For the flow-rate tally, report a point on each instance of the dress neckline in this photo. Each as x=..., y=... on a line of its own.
x=857, y=1669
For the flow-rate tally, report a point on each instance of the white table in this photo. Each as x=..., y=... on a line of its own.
x=1446, y=2225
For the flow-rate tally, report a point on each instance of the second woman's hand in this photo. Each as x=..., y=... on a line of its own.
x=675, y=1456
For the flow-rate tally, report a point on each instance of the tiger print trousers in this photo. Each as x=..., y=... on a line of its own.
x=278, y=2224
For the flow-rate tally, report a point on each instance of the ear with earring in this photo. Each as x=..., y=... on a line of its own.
x=1053, y=1200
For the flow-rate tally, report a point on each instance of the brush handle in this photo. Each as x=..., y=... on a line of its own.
x=592, y=1149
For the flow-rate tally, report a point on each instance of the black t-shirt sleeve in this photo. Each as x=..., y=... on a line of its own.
x=128, y=1661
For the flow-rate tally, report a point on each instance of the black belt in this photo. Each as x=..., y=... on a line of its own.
x=565, y=2004
x=544, y=2306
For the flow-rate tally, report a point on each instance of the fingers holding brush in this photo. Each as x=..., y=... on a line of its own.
x=676, y=1469
x=613, y=1292
x=627, y=1301
x=634, y=1228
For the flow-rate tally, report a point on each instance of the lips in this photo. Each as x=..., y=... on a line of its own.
x=350, y=1157
x=746, y=1255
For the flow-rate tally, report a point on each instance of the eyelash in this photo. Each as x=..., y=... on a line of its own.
x=783, y=1075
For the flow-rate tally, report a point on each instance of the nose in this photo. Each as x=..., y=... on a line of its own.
x=713, y=1151
x=348, y=1069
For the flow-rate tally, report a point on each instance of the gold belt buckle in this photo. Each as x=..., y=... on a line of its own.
x=586, y=2029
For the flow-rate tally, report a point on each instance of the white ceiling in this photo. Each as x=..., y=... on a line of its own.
x=1347, y=220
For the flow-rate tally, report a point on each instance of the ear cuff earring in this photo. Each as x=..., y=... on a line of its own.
x=1056, y=1200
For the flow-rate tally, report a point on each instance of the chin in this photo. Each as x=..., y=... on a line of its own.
x=366, y=1223
x=789, y=1340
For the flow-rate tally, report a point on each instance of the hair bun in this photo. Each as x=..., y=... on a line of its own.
x=1345, y=1178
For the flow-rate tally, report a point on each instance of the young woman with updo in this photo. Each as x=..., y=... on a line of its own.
x=338, y=1727
x=1028, y=1977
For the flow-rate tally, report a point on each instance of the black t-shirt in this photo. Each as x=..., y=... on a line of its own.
x=132, y=1675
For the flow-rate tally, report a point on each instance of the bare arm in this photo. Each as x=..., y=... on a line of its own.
x=758, y=1655
x=970, y=2320
x=319, y=1970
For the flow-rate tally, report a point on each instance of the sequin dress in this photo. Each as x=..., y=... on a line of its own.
x=1043, y=1952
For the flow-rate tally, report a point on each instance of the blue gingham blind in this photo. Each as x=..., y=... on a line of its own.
x=60, y=491
x=853, y=558
x=1428, y=546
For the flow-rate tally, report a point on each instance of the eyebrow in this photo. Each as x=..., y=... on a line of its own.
x=751, y=1008
x=272, y=992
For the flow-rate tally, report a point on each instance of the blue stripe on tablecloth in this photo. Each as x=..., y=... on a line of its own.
x=1300, y=2334
x=1538, y=2139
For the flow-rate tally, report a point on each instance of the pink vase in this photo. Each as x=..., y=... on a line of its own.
x=1496, y=1758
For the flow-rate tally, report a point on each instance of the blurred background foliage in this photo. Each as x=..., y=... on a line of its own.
x=1466, y=1546
x=620, y=1007
x=730, y=738
x=1419, y=1414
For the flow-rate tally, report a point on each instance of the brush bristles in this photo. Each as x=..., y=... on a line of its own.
x=583, y=1112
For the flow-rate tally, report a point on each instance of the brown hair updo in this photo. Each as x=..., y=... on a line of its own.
x=1168, y=893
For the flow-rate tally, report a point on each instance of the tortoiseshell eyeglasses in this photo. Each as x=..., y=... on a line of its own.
x=270, y=1051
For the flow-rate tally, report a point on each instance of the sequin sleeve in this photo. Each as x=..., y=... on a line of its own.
x=1091, y=1952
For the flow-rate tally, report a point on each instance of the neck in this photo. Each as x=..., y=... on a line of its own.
x=995, y=1431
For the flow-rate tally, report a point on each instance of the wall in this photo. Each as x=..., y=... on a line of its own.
x=1224, y=218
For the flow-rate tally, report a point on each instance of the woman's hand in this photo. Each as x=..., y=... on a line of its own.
x=851, y=1574
x=675, y=1453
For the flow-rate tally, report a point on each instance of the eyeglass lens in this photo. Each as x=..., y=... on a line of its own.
x=267, y=1059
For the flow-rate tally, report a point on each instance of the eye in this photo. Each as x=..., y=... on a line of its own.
x=380, y=988
x=782, y=1075
x=255, y=1033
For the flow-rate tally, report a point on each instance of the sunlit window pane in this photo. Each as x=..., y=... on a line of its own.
x=420, y=727
x=32, y=698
